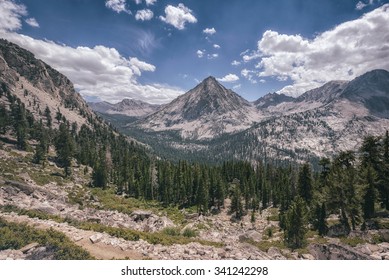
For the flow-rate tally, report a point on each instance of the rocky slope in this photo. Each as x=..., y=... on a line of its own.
x=205, y=112
x=38, y=86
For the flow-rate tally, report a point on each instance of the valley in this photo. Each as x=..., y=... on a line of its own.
x=279, y=178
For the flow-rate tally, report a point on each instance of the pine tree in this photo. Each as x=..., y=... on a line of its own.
x=322, y=221
x=4, y=119
x=369, y=196
x=236, y=202
x=296, y=225
x=305, y=184
x=49, y=119
x=41, y=149
x=64, y=145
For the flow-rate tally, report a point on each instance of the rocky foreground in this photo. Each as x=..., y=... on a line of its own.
x=218, y=235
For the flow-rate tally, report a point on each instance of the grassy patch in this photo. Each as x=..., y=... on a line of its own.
x=265, y=245
x=352, y=241
x=16, y=236
x=110, y=201
x=274, y=215
x=190, y=233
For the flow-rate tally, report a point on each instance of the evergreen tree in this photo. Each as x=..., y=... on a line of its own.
x=305, y=184
x=64, y=145
x=236, y=202
x=41, y=149
x=296, y=225
x=20, y=124
x=49, y=119
x=322, y=221
x=4, y=119
x=369, y=196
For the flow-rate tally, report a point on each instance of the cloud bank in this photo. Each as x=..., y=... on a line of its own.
x=342, y=53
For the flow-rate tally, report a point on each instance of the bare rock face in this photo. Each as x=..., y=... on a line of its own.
x=336, y=252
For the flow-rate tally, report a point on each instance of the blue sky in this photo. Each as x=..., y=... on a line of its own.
x=154, y=50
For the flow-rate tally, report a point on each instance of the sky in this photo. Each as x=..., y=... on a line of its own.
x=155, y=50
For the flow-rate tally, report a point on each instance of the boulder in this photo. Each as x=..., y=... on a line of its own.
x=46, y=209
x=28, y=247
x=20, y=186
x=250, y=235
x=96, y=238
x=384, y=235
x=338, y=230
x=336, y=252
x=140, y=215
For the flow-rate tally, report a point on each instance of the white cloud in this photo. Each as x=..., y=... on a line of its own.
x=235, y=63
x=344, y=52
x=138, y=2
x=150, y=2
x=200, y=53
x=178, y=16
x=249, y=75
x=143, y=15
x=209, y=31
x=99, y=72
x=117, y=6
x=229, y=78
x=32, y=22
x=361, y=4
x=10, y=15
x=216, y=46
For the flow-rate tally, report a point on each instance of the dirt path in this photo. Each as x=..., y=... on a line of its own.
x=99, y=250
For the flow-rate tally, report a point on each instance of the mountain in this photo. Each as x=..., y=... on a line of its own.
x=127, y=107
x=371, y=90
x=39, y=86
x=207, y=111
x=271, y=99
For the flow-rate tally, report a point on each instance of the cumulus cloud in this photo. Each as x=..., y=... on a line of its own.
x=117, y=6
x=178, y=16
x=344, y=52
x=98, y=72
x=229, y=78
x=150, y=2
x=200, y=53
x=209, y=31
x=143, y=15
x=216, y=46
x=249, y=75
x=32, y=22
x=235, y=63
x=10, y=15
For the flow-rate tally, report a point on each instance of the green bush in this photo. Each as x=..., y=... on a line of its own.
x=16, y=236
x=190, y=233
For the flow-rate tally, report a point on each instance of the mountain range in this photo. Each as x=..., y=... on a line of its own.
x=212, y=122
